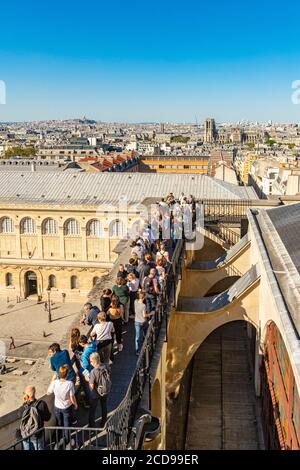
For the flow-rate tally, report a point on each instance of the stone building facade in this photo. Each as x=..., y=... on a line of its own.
x=65, y=248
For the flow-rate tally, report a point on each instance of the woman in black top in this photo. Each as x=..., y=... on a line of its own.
x=105, y=300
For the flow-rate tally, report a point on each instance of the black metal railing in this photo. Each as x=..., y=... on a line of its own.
x=63, y=438
x=116, y=434
x=228, y=211
x=225, y=233
x=121, y=421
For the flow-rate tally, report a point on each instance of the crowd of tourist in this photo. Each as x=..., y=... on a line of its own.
x=134, y=296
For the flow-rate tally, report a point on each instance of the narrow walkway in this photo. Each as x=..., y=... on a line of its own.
x=121, y=373
x=222, y=410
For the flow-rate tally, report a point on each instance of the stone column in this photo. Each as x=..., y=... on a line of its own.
x=84, y=247
x=61, y=242
x=18, y=241
x=107, y=255
x=40, y=248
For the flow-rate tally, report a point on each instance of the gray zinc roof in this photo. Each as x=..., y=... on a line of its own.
x=97, y=188
x=280, y=228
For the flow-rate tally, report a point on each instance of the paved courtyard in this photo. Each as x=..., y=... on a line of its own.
x=27, y=323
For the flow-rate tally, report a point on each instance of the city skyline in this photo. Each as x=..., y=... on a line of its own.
x=167, y=64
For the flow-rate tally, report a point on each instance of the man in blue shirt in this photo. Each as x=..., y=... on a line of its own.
x=59, y=358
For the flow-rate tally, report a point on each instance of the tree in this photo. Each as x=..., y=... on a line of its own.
x=20, y=152
x=271, y=142
x=291, y=146
x=251, y=145
x=179, y=139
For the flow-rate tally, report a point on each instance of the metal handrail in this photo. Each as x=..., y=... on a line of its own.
x=121, y=421
x=116, y=433
x=57, y=438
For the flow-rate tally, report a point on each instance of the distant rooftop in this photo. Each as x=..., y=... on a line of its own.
x=29, y=164
x=100, y=188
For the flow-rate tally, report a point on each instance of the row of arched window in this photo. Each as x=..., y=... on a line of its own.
x=72, y=227
x=51, y=281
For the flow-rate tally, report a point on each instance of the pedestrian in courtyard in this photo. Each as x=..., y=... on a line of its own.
x=12, y=343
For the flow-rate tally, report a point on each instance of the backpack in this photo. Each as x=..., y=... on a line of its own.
x=104, y=384
x=148, y=285
x=31, y=421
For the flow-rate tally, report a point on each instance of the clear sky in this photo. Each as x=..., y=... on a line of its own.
x=130, y=60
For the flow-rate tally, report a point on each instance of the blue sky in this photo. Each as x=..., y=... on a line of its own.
x=150, y=61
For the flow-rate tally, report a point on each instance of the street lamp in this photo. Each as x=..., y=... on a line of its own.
x=49, y=304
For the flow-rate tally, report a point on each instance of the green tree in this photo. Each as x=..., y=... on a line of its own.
x=271, y=142
x=179, y=139
x=20, y=152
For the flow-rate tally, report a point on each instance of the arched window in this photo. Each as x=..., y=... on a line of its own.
x=74, y=282
x=49, y=227
x=137, y=229
x=117, y=229
x=95, y=229
x=71, y=227
x=7, y=225
x=28, y=226
x=52, y=281
x=96, y=279
x=8, y=279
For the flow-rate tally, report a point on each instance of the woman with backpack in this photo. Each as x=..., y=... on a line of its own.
x=151, y=290
x=100, y=386
x=64, y=400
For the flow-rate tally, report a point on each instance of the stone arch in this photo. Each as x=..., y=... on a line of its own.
x=39, y=281
x=187, y=331
x=117, y=229
x=49, y=226
x=94, y=228
x=210, y=251
x=72, y=227
x=28, y=226
x=222, y=285
x=7, y=225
